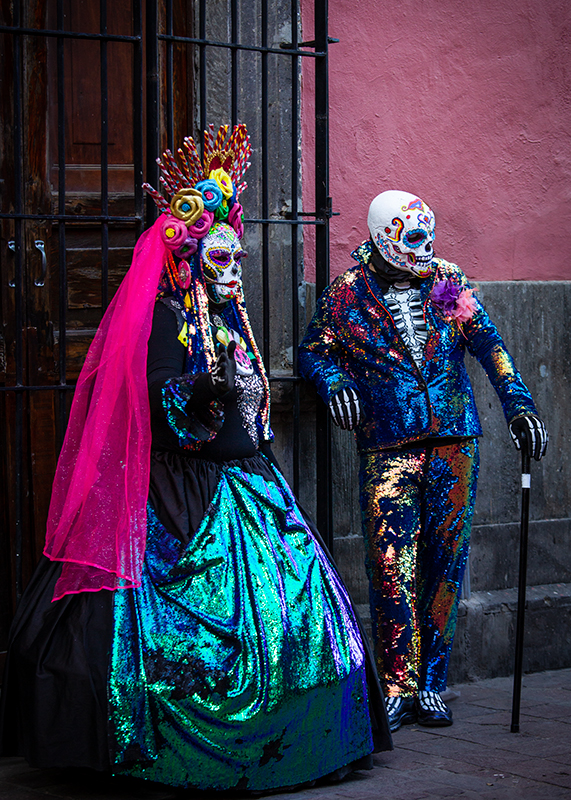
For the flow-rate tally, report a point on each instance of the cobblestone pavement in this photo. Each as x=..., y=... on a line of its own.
x=478, y=757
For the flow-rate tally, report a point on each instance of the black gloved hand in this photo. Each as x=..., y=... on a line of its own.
x=345, y=409
x=223, y=373
x=530, y=433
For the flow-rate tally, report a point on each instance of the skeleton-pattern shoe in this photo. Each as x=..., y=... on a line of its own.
x=432, y=711
x=400, y=711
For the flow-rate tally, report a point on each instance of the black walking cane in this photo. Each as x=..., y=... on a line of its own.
x=525, y=488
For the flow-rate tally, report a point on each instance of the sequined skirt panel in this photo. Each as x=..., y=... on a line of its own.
x=238, y=663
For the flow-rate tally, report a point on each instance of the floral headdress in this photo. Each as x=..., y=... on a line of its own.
x=202, y=191
x=97, y=522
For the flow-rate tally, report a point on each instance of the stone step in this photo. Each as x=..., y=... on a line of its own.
x=485, y=638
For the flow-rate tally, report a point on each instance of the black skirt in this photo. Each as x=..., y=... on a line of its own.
x=54, y=708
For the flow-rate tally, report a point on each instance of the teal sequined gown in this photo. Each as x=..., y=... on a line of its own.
x=238, y=662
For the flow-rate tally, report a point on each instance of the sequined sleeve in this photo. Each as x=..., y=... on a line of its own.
x=320, y=348
x=485, y=343
x=194, y=418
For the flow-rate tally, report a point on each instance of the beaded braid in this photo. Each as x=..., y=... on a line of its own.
x=245, y=320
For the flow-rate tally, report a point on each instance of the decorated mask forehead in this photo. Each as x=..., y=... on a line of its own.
x=221, y=252
x=221, y=235
x=402, y=227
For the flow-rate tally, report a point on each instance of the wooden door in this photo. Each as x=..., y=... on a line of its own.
x=69, y=223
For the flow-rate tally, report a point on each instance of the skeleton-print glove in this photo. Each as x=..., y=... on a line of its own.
x=345, y=409
x=529, y=433
x=223, y=373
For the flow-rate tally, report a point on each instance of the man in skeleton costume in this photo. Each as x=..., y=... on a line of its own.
x=386, y=351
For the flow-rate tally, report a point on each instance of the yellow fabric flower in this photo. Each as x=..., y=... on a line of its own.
x=187, y=205
x=223, y=180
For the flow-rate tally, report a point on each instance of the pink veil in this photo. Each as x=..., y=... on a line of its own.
x=97, y=518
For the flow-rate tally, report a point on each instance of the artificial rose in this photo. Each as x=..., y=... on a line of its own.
x=187, y=248
x=211, y=194
x=236, y=219
x=201, y=227
x=465, y=306
x=444, y=296
x=187, y=205
x=223, y=180
x=173, y=232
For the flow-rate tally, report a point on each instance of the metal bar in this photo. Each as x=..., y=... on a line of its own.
x=170, y=77
x=60, y=34
x=265, y=199
x=110, y=218
x=104, y=157
x=324, y=487
x=20, y=389
x=153, y=103
x=72, y=386
x=202, y=70
x=138, y=87
x=71, y=218
x=68, y=217
x=295, y=64
x=280, y=51
x=62, y=260
x=271, y=221
x=18, y=314
x=234, y=61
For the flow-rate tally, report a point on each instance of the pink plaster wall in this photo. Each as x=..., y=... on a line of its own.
x=464, y=104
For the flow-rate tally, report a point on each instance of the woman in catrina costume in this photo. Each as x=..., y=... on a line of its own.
x=185, y=625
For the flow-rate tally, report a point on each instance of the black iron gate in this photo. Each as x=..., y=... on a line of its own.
x=92, y=93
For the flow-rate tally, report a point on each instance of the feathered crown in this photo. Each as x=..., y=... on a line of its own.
x=202, y=191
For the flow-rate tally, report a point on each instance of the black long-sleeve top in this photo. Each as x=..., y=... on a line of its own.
x=166, y=359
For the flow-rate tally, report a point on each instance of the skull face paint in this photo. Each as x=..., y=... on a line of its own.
x=221, y=253
x=402, y=227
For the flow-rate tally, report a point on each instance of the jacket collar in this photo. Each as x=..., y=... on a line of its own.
x=377, y=283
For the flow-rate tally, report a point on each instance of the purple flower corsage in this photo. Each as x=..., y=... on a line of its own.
x=453, y=302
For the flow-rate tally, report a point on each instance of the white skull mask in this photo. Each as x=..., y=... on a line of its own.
x=402, y=227
x=221, y=253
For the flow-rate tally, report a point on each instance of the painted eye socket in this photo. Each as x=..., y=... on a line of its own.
x=239, y=255
x=415, y=238
x=222, y=258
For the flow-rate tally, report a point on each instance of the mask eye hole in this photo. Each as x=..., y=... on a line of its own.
x=221, y=258
x=415, y=238
x=239, y=255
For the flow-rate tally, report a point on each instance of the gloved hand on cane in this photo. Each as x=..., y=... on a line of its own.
x=529, y=432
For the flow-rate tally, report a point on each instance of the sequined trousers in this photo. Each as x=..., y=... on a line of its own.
x=238, y=662
x=417, y=507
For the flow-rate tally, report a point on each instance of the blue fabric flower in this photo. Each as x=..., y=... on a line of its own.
x=211, y=194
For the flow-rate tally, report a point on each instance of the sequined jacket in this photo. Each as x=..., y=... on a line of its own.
x=352, y=341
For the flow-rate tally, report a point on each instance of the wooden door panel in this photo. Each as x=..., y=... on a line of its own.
x=32, y=419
